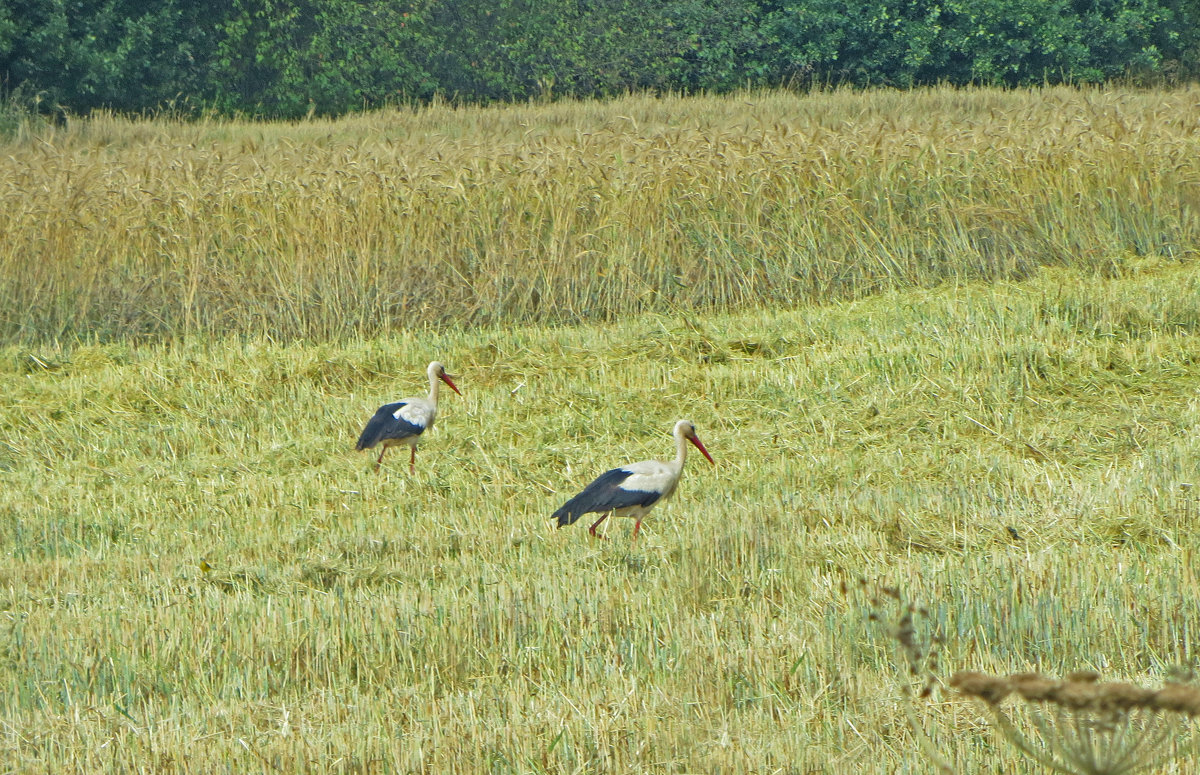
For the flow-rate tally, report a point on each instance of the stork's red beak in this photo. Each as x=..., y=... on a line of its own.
x=446, y=378
x=700, y=446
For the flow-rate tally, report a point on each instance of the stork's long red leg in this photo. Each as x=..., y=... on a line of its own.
x=412, y=462
x=379, y=460
x=636, y=527
x=596, y=524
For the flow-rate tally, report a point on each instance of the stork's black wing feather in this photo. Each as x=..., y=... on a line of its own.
x=385, y=425
x=604, y=494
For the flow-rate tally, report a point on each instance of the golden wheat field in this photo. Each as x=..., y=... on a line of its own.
x=578, y=212
x=942, y=342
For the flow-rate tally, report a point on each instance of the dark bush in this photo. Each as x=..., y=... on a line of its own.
x=285, y=58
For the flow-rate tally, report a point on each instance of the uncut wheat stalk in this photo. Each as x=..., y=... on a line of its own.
x=1082, y=726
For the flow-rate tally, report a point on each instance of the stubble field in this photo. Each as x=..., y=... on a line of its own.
x=1015, y=445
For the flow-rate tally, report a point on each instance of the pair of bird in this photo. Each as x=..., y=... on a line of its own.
x=628, y=491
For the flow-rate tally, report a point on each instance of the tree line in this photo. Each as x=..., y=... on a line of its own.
x=287, y=58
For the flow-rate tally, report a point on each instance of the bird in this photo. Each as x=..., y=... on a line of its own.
x=632, y=490
x=403, y=421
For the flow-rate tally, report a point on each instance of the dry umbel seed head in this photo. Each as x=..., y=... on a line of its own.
x=1121, y=696
x=1078, y=695
x=990, y=689
x=1083, y=725
x=1079, y=692
x=1033, y=687
x=1178, y=698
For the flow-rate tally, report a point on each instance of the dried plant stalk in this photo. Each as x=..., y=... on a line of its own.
x=1081, y=726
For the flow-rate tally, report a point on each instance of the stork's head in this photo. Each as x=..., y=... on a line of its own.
x=436, y=369
x=688, y=431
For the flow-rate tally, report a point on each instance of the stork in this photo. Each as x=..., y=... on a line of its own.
x=632, y=490
x=403, y=421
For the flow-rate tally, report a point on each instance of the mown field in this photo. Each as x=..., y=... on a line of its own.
x=1021, y=454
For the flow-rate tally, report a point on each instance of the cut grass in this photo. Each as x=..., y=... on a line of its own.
x=365, y=623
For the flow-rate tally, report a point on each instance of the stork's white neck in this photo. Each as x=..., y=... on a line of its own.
x=434, y=385
x=681, y=445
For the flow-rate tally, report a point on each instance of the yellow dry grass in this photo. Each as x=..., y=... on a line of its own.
x=560, y=213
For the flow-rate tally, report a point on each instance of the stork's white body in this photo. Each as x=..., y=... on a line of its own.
x=402, y=422
x=634, y=489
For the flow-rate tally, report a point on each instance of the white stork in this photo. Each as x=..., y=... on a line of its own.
x=634, y=489
x=403, y=421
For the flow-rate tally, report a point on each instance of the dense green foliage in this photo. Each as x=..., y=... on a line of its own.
x=290, y=57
